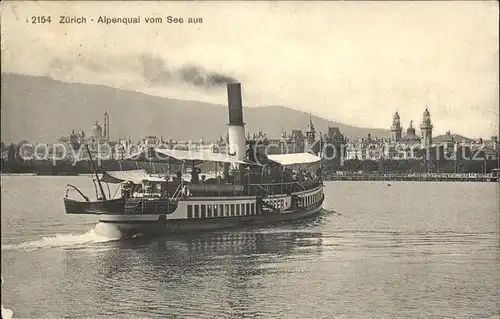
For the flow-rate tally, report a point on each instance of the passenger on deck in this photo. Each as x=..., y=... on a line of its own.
x=195, y=179
x=148, y=188
x=179, y=177
x=300, y=177
x=126, y=189
x=318, y=172
x=250, y=153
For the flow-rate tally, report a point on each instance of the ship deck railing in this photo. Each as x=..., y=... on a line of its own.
x=257, y=189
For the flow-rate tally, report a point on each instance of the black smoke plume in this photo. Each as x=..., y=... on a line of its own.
x=155, y=70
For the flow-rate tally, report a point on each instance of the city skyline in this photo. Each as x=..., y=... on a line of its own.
x=101, y=124
x=355, y=63
x=413, y=134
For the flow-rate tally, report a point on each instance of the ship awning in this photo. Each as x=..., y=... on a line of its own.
x=135, y=176
x=164, y=155
x=295, y=158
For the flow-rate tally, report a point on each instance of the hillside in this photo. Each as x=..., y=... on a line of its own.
x=43, y=109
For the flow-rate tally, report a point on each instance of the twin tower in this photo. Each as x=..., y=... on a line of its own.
x=237, y=137
x=425, y=129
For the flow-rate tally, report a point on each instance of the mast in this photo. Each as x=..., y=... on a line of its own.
x=320, y=154
x=95, y=172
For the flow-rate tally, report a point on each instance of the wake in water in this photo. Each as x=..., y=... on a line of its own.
x=101, y=233
x=6, y=313
x=330, y=211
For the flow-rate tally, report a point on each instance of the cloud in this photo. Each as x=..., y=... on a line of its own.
x=68, y=64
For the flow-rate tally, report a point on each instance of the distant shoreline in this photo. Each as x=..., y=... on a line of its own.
x=43, y=174
x=432, y=177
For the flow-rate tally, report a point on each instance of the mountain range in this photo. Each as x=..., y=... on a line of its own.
x=42, y=109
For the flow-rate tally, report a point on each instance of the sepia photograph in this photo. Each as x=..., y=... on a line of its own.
x=250, y=159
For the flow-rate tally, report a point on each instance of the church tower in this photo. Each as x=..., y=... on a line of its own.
x=426, y=129
x=396, y=129
x=106, y=126
x=310, y=136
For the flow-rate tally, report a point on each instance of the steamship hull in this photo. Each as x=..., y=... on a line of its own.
x=158, y=225
x=253, y=189
x=113, y=206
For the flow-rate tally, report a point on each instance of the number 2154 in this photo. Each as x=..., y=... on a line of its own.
x=40, y=19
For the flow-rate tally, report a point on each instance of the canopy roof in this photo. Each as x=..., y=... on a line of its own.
x=135, y=176
x=164, y=155
x=294, y=158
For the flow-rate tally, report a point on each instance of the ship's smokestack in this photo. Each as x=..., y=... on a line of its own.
x=236, y=126
x=235, y=104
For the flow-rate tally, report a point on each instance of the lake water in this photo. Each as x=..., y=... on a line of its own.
x=410, y=250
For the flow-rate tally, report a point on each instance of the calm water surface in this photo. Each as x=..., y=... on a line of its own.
x=410, y=250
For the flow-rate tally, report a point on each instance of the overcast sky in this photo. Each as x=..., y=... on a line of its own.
x=353, y=62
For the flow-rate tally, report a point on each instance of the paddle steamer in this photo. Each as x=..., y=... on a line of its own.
x=251, y=189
